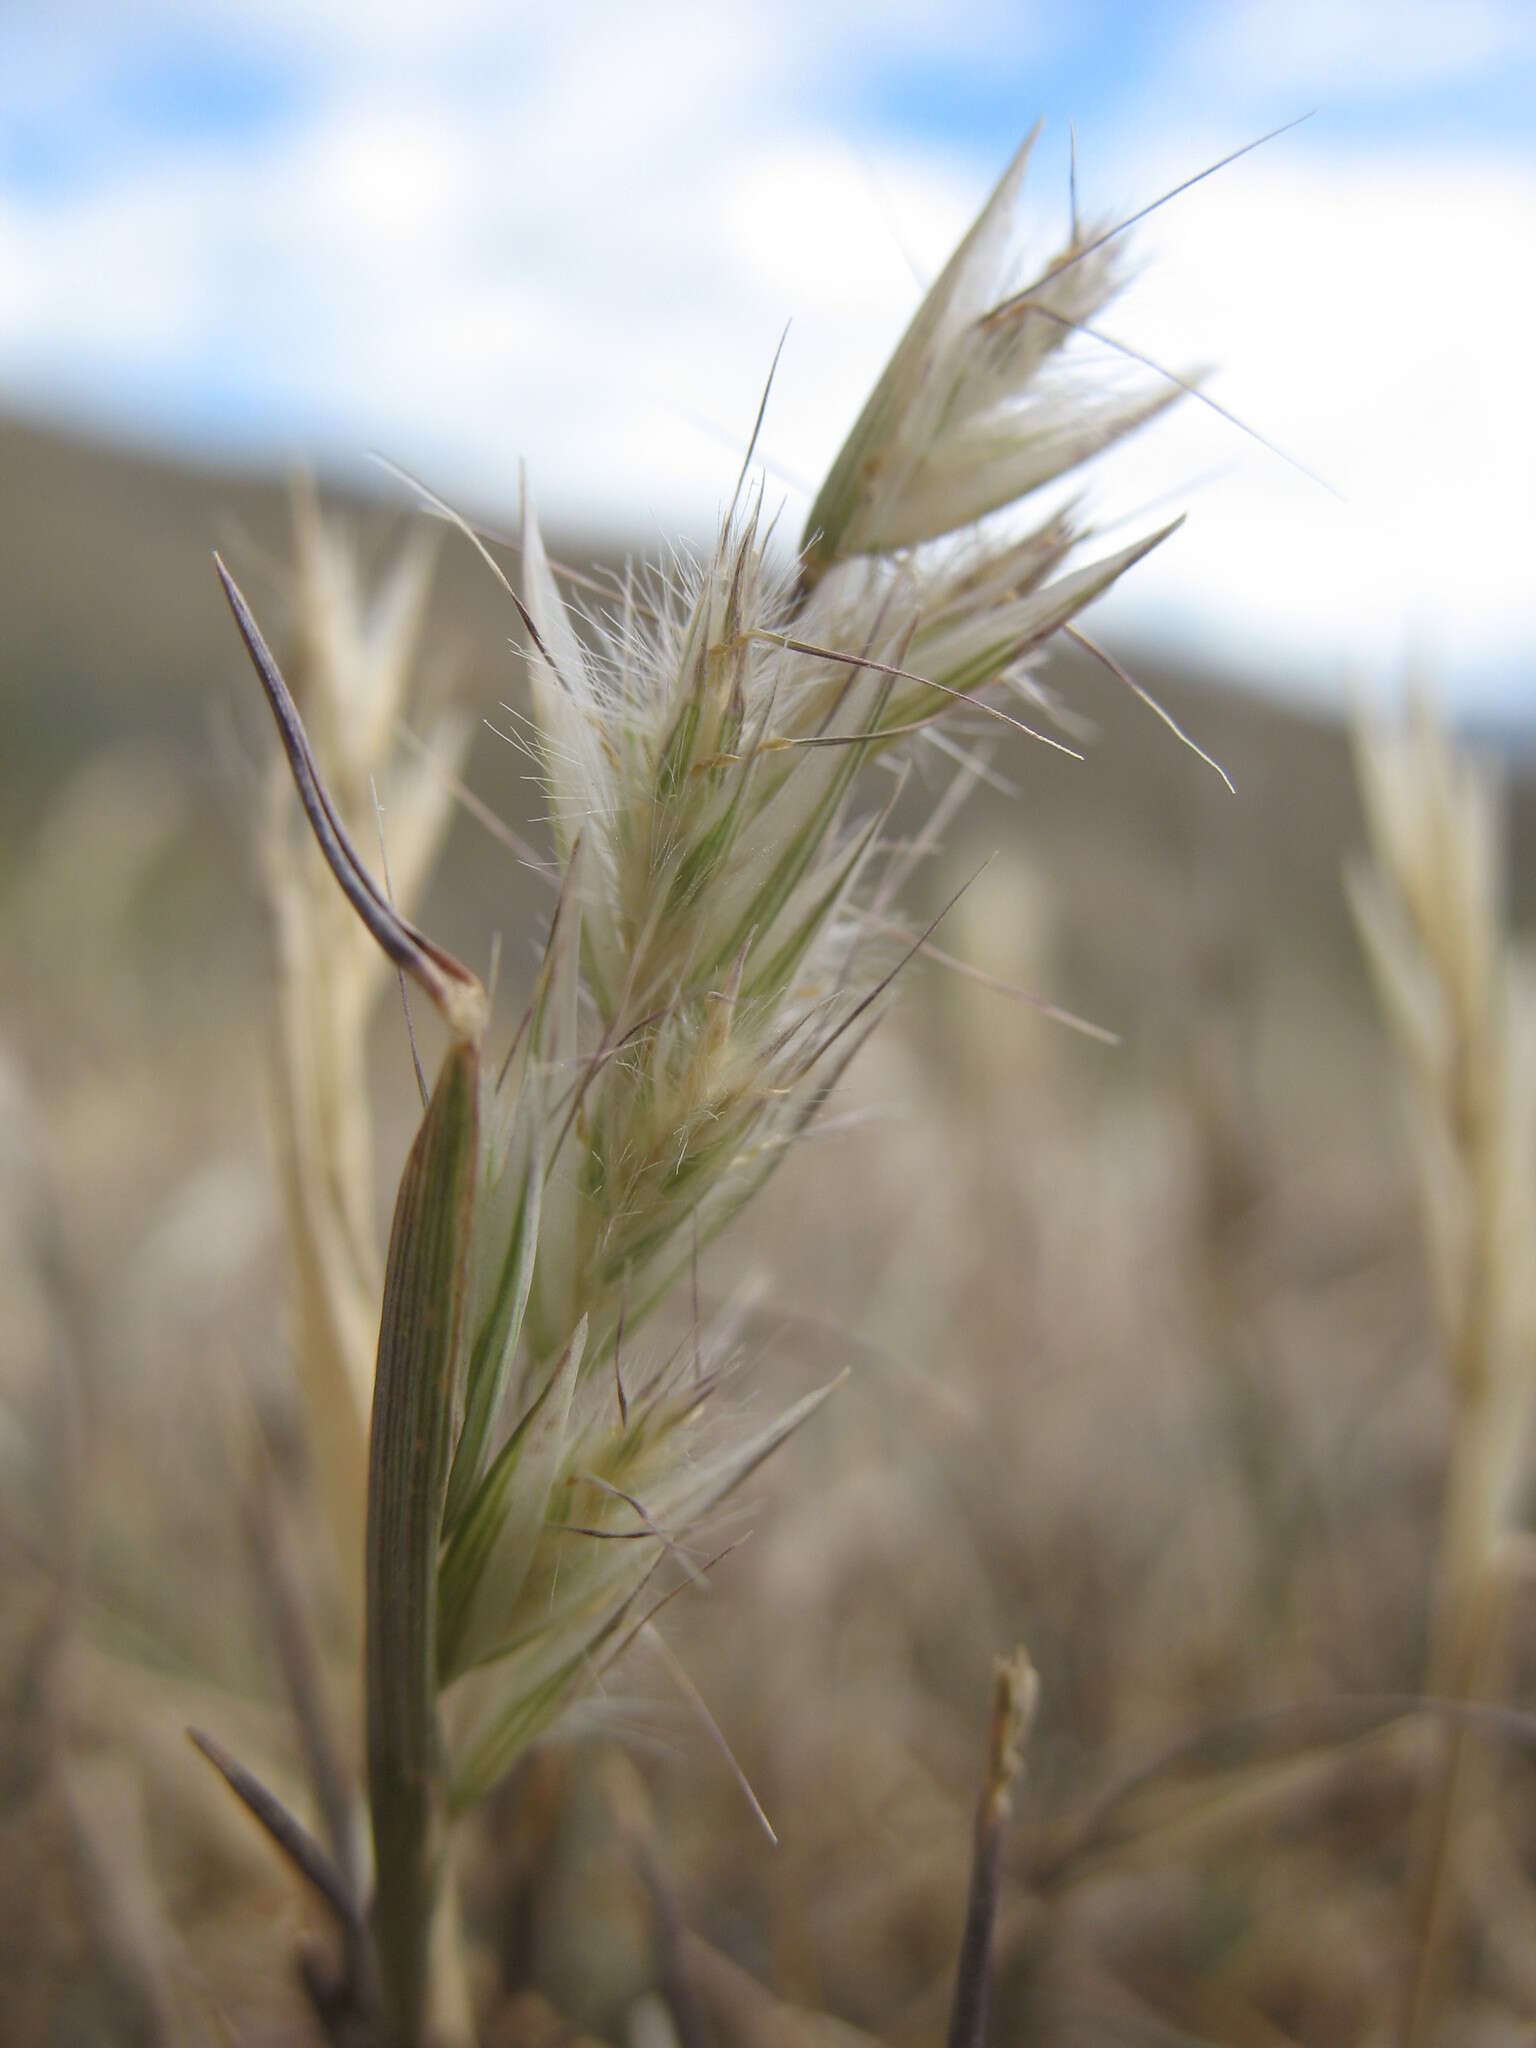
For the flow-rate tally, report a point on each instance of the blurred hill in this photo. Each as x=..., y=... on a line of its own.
x=112, y=630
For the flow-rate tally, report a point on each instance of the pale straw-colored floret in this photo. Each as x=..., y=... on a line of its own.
x=974, y=410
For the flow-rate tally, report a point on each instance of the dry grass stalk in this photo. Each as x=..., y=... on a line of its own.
x=355, y=673
x=1015, y=1697
x=1431, y=916
x=719, y=949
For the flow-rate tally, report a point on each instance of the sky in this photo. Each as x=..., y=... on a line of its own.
x=482, y=233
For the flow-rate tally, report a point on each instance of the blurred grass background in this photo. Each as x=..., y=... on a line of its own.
x=1144, y=1377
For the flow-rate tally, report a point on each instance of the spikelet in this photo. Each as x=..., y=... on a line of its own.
x=974, y=409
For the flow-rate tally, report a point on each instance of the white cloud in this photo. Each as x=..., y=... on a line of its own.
x=1369, y=314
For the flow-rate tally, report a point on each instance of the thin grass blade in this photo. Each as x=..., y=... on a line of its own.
x=417, y=1394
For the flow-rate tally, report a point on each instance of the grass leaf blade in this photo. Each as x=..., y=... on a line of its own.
x=417, y=1393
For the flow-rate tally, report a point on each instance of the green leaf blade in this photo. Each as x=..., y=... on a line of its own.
x=417, y=1392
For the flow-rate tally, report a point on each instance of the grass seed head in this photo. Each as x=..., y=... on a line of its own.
x=723, y=939
x=722, y=942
